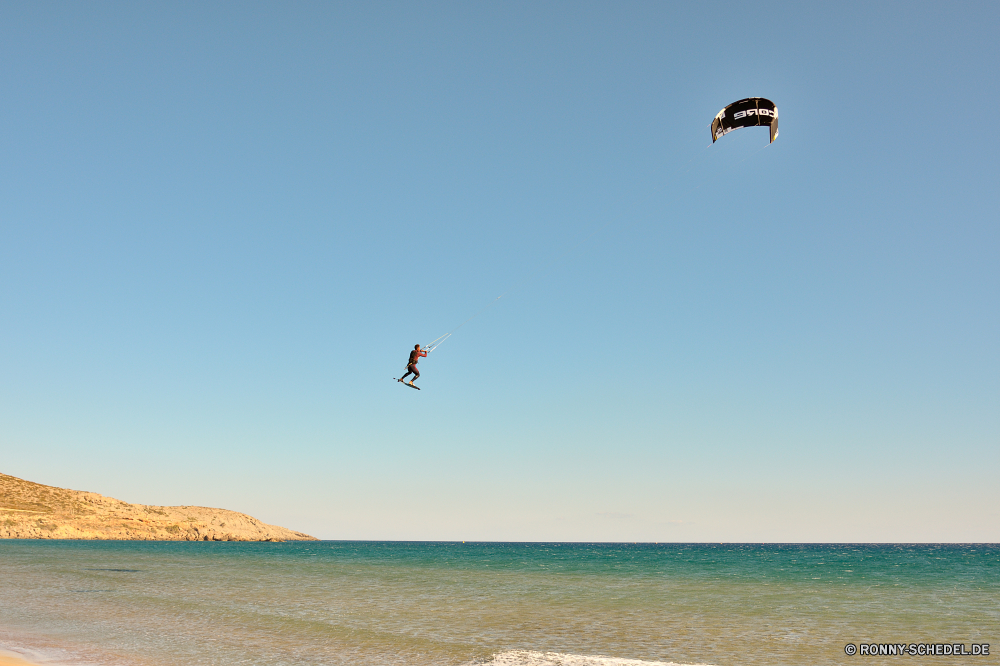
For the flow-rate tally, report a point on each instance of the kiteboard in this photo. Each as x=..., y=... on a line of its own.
x=407, y=384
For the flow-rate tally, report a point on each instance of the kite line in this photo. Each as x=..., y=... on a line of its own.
x=434, y=344
x=748, y=112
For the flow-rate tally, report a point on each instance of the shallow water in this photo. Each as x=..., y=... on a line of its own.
x=332, y=602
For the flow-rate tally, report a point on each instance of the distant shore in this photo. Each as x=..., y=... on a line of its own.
x=34, y=511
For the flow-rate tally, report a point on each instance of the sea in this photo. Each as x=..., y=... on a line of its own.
x=497, y=604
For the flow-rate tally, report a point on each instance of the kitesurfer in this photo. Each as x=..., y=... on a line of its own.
x=411, y=367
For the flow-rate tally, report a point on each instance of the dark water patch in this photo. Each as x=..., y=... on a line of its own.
x=121, y=570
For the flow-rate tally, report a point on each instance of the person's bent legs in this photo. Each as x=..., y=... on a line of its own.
x=411, y=369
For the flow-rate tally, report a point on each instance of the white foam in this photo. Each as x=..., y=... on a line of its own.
x=532, y=658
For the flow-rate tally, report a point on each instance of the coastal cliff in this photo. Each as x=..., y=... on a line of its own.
x=34, y=511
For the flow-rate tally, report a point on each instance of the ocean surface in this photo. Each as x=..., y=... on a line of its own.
x=504, y=604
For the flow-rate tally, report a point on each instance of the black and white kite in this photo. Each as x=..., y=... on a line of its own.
x=749, y=112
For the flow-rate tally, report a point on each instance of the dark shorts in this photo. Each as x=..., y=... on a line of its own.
x=412, y=367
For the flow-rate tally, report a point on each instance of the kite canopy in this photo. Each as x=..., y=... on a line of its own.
x=749, y=112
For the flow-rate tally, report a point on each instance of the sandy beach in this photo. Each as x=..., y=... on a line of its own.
x=13, y=659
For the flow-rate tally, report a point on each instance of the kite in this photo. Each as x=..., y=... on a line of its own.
x=749, y=112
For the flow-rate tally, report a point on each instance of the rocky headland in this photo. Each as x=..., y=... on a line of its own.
x=34, y=511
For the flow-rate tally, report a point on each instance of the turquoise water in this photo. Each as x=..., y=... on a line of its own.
x=337, y=602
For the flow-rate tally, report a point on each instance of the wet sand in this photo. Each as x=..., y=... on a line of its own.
x=13, y=659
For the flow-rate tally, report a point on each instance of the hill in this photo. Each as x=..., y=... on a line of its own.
x=35, y=511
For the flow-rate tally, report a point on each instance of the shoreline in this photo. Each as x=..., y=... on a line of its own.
x=8, y=658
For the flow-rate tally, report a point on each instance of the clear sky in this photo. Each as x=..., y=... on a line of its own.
x=224, y=225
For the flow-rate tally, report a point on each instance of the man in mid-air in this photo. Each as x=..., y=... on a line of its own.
x=411, y=367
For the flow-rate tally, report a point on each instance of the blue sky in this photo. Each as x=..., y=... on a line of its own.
x=223, y=226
